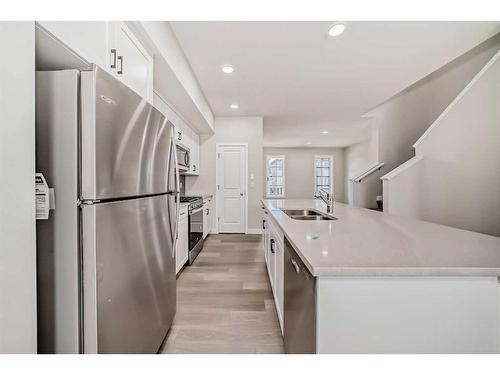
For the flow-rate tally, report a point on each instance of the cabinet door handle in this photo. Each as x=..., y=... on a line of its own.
x=263, y=224
x=113, y=59
x=272, y=247
x=208, y=211
x=120, y=59
x=194, y=168
x=295, y=265
x=179, y=136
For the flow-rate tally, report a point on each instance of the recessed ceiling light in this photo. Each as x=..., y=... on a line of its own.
x=228, y=69
x=336, y=29
x=324, y=132
x=235, y=106
x=308, y=143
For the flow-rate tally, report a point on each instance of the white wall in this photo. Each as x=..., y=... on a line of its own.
x=232, y=129
x=358, y=158
x=18, y=333
x=299, y=171
x=457, y=182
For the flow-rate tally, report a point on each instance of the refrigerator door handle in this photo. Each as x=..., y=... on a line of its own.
x=173, y=157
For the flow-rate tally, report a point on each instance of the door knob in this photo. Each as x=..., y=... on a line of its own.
x=242, y=194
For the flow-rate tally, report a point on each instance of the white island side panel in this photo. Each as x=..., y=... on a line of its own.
x=408, y=315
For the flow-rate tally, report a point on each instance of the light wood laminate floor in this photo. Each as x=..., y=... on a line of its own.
x=224, y=301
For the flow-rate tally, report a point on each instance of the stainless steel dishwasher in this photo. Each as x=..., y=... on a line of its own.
x=299, y=305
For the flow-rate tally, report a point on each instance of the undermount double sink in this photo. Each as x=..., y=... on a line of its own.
x=308, y=214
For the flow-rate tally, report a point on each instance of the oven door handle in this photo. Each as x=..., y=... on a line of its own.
x=196, y=210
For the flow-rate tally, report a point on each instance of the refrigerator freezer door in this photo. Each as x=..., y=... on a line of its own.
x=125, y=140
x=129, y=275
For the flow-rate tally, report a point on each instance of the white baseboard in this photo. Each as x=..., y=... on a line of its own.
x=249, y=231
x=253, y=231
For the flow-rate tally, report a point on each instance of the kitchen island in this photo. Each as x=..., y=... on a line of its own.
x=381, y=283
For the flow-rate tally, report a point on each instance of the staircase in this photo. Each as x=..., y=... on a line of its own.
x=400, y=121
x=454, y=177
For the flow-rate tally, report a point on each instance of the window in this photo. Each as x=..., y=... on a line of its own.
x=275, y=179
x=323, y=173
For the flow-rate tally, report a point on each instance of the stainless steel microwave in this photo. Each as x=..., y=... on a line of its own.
x=182, y=158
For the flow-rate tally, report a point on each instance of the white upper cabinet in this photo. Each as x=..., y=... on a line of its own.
x=89, y=39
x=184, y=135
x=192, y=141
x=129, y=60
x=180, y=132
x=110, y=45
x=196, y=155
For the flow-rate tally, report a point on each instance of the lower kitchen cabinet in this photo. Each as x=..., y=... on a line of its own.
x=182, y=245
x=266, y=232
x=207, y=208
x=274, y=255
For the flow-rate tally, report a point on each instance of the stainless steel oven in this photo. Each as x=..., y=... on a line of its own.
x=182, y=158
x=195, y=223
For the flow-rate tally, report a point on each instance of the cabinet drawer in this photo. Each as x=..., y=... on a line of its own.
x=183, y=212
x=275, y=230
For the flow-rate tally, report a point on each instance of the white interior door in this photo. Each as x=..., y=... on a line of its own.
x=231, y=188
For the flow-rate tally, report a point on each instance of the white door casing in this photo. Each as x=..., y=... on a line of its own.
x=231, y=187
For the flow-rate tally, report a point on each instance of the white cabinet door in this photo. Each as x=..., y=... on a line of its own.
x=265, y=229
x=192, y=141
x=272, y=261
x=179, y=130
x=181, y=248
x=206, y=216
x=88, y=39
x=110, y=45
x=195, y=154
x=274, y=253
x=133, y=64
x=211, y=216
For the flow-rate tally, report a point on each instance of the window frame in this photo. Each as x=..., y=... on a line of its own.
x=283, y=195
x=330, y=157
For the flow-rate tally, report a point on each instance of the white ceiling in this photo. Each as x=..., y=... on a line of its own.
x=303, y=82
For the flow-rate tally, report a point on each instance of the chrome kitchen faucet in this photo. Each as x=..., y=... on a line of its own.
x=327, y=197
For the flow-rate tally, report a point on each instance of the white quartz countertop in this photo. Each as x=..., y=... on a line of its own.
x=365, y=242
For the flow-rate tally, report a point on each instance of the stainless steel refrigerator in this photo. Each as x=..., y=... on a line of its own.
x=106, y=255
